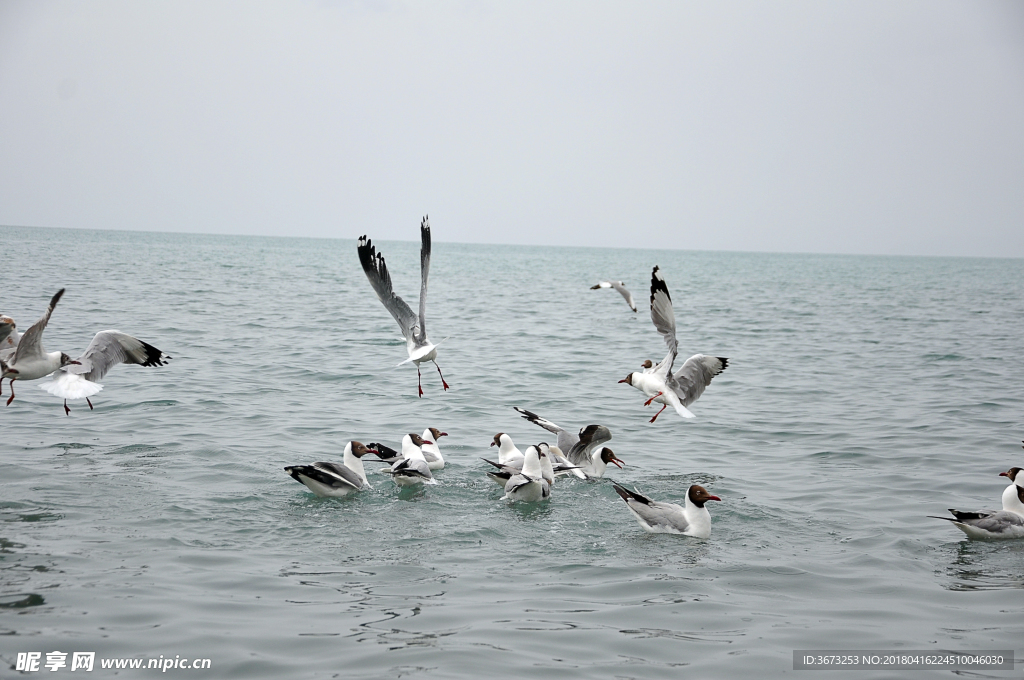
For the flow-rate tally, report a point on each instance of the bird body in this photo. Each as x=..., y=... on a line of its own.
x=329, y=480
x=690, y=519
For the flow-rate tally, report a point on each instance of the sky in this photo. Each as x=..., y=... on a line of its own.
x=892, y=128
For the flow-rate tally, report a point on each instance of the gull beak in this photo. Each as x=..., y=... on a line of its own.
x=77, y=363
x=623, y=380
x=712, y=498
x=1003, y=474
x=443, y=434
x=618, y=462
x=426, y=441
x=492, y=444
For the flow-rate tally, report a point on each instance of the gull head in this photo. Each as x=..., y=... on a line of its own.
x=608, y=457
x=699, y=495
x=437, y=433
x=359, y=449
x=628, y=379
x=418, y=440
x=66, y=360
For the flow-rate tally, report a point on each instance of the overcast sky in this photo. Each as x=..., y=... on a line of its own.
x=843, y=127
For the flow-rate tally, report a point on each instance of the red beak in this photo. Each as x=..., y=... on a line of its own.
x=1003, y=474
x=425, y=441
x=443, y=434
x=492, y=443
x=623, y=380
x=712, y=498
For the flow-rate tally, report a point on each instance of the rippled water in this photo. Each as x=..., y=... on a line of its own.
x=863, y=394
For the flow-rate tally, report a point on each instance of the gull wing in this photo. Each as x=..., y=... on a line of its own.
x=421, y=338
x=591, y=437
x=664, y=319
x=110, y=348
x=653, y=515
x=31, y=344
x=690, y=381
x=380, y=280
x=617, y=285
x=566, y=439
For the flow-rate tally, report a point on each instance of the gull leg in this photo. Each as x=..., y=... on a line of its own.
x=67, y=411
x=658, y=413
x=12, y=393
x=88, y=402
x=442, y=376
x=419, y=379
x=648, y=402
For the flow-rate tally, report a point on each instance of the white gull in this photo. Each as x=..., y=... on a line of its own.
x=685, y=386
x=414, y=326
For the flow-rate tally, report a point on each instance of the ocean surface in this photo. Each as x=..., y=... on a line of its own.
x=862, y=395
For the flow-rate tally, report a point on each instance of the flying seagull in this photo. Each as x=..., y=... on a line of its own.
x=682, y=388
x=413, y=326
x=79, y=380
x=30, y=361
x=617, y=285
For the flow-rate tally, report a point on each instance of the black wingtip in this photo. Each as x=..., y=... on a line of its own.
x=658, y=283
x=56, y=298
x=725, y=363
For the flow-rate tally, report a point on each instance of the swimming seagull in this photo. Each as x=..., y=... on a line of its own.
x=330, y=480
x=431, y=451
x=107, y=349
x=989, y=525
x=30, y=361
x=508, y=452
x=693, y=519
x=412, y=469
x=617, y=285
x=414, y=327
x=584, y=450
x=687, y=384
x=529, y=485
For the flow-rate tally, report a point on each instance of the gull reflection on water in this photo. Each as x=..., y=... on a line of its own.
x=986, y=565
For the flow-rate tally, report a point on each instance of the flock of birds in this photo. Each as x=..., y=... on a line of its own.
x=526, y=476
x=22, y=357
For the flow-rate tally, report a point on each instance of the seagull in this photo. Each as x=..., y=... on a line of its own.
x=414, y=327
x=687, y=384
x=30, y=361
x=107, y=349
x=529, y=485
x=995, y=524
x=330, y=480
x=617, y=285
x=431, y=451
x=583, y=449
x=669, y=518
x=412, y=469
x=508, y=454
